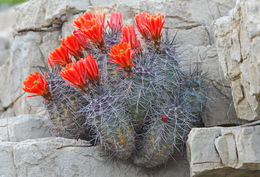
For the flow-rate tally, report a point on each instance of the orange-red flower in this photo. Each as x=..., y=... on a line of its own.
x=59, y=57
x=77, y=72
x=90, y=68
x=100, y=18
x=36, y=85
x=80, y=21
x=93, y=31
x=82, y=40
x=116, y=22
x=73, y=46
x=150, y=27
x=121, y=55
x=73, y=73
x=129, y=36
x=141, y=21
x=92, y=26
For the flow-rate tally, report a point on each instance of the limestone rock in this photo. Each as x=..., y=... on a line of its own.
x=4, y=54
x=7, y=160
x=41, y=15
x=23, y=127
x=28, y=54
x=6, y=23
x=238, y=44
x=63, y=157
x=230, y=151
x=7, y=16
x=24, y=53
x=3, y=130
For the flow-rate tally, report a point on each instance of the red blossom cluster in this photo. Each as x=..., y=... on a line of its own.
x=68, y=58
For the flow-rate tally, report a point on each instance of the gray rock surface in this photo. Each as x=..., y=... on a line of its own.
x=7, y=16
x=237, y=41
x=230, y=151
x=6, y=24
x=43, y=15
x=54, y=157
x=28, y=54
x=24, y=127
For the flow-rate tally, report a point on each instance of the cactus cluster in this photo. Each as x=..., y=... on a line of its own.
x=141, y=111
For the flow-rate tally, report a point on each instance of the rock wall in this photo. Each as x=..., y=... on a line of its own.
x=217, y=151
x=237, y=41
x=222, y=152
x=6, y=24
x=54, y=157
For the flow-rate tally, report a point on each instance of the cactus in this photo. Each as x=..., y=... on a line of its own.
x=162, y=89
x=64, y=108
x=141, y=111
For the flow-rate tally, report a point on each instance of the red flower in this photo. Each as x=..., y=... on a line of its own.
x=73, y=46
x=82, y=40
x=150, y=27
x=129, y=36
x=165, y=118
x=77, y=72
x=59, y=57
x=90, y=68
x=100, y=18
x=93, y=31
x=141, y=21
x=92, y=26
x=35, y=84
x=79, y=22
x=115, y=22
x=73, y=73
x=121, y=55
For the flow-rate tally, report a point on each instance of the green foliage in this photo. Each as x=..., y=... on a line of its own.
x=10, y=2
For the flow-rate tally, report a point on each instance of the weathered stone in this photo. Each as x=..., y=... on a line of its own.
x=25, y=105
x=7, y=22
x=4, y=130
x=29, y=53
x=9, y=112
x=230, y=151
x=4, y=45
x=225, y=146
x=24, y=54
x=4, y=54
x=238, y=44
x=7, y=160
x=67, y=28
x=23, y=127
x=45, y=14
x=63, y=157
x=27, y=127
